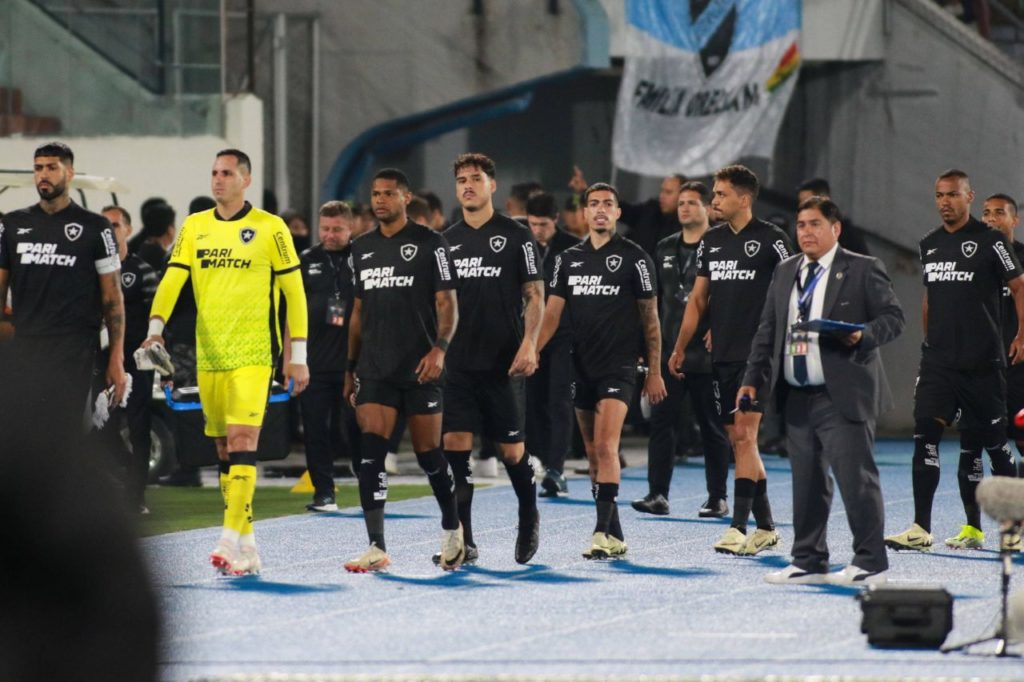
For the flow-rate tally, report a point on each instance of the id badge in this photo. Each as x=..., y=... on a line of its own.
x=796, y=343
x=336, y=312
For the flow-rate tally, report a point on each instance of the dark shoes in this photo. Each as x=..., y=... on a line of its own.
x=652, y=504
x=182, y=478
x=322, y=503
x=553, y=485
x=713, y=508
x=528, y=537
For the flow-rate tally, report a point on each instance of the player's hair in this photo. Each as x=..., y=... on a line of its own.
x=418, y=210
x=125, y=215
x=335, y=209
x=816, y=186
x=243, y=158
x=542, y=205
x=826, y=206
x=1004, y=197
x=600, y=187
x=481, y=161
x=393, y=174
x=155, y=221
x=740, y=177
x=955, y=174
x=58, y=149
x=201, y=203
x=698, y=187
x=433, y=201
x=522, y=191
x=680, y=177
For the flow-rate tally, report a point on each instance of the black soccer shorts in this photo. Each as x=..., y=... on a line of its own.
x=617, y=384
x=726, y=379
x=408, y=397
x=489, y=403
x=977, y=396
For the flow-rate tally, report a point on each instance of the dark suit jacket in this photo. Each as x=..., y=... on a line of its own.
x=858, y=290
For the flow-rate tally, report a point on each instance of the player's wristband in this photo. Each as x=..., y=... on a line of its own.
x=352, y=364
x=298, y=352
x=442, y=344
x=156, y=326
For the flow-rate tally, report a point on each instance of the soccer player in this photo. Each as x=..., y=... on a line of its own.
x=606, y=286
x=403, y=319
x=676, y=258
x=60, y=262
x=963, y=357
x=238, y=258
x=735, y=261
x=501, y=302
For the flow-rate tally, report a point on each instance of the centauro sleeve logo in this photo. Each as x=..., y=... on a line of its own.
x=285, y=253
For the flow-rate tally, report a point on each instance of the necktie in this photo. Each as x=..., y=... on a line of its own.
x=804, y=311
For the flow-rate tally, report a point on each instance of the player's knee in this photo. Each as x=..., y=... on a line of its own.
x=606, y=451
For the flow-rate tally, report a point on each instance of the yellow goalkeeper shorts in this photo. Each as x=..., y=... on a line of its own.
x=233, y=396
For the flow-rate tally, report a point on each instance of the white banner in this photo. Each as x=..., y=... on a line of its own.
x=705, y=83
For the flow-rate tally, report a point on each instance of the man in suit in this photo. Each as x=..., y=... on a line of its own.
x=837, y=388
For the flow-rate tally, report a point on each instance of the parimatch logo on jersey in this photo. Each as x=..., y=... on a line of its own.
x=221, y=258
x=384, y=278
x=472, y=268
x=44, y=254
x=946, y=272
x=590, y=285
x=729, y=270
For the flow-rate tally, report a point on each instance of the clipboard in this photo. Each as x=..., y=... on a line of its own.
x=824, y=326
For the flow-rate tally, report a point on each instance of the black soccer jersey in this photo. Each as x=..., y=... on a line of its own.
x=396, y=278
x=676, y=262
x=963, y=274
x=327, y=279
x=601, y=288
x=739, y=267
x=138, y=284
x=54, y=262
x=492, y=262
x=1009, y=318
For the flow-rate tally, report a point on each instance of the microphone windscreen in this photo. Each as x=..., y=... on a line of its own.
x=1002, y=498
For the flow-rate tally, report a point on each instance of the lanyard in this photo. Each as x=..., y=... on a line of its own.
x=803, y=303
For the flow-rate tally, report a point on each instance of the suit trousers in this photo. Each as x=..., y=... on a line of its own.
x=549, y=413
x=661, y=448
x=823, y=440
x=330, y=429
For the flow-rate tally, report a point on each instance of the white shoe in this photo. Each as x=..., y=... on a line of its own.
x=794, y=575
x=453, y=549
x=486, y=468
x=248, y=562
x=539, y=470
x=855, y=576
x=391, y=463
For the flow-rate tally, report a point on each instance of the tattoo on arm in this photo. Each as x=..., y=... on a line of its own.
x=447, y=314
x=533, y=309
x=652, y=331
x=113, y=308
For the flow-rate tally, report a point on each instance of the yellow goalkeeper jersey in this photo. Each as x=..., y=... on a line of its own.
x=233, y=265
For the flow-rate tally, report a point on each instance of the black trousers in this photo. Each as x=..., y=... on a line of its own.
x=330, y=429
x=549, y=412
x=133, y=463
x=661, y=448
x=822, y=440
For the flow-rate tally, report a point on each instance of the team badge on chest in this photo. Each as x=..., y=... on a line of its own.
x=73, y=231
x=751, y=248
x=969, y=248
x=247, y=234
x=408, y=252
x=127, y=279
x=498, y=243
x=613, y=262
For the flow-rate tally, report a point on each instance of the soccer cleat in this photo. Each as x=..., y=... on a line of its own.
x=247, y=563
x=968, y=538
x=759, y=541
x=652, y=504
x=794, y=575
x=732, y=542
x=713, y=508
x=605, y=546
x=538, y=467
x=472, y=554
x=855, y=575
x=486, y=468
x=391, y=463
x=528, y=538
x=1010, y=542
x=223, y=556
x=322, y=503
x=372, y=560
x=453, y=549
x=915, y=537
x=553, y=485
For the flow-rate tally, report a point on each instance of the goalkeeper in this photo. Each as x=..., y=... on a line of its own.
x=238, y=258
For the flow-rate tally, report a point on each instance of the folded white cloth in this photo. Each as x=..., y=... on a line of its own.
x=101, y=410
x=154, y=357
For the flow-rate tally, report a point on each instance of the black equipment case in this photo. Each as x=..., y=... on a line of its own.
x=906, y=616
